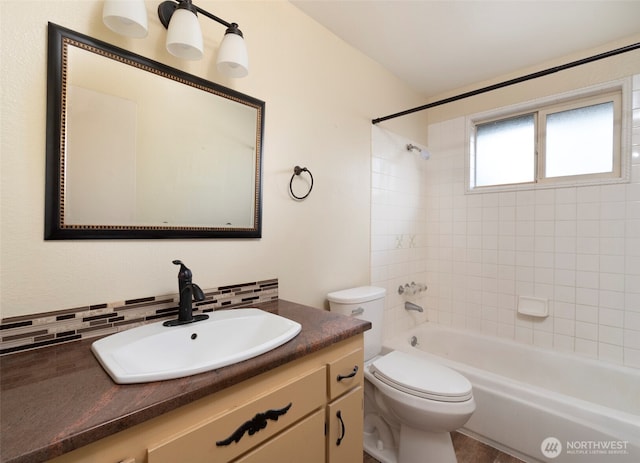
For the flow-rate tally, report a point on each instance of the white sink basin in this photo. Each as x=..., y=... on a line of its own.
x=155, y=352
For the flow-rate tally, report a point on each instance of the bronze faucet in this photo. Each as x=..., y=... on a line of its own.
x=188, y=292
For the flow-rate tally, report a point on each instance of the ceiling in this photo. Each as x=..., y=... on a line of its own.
x=439, y=46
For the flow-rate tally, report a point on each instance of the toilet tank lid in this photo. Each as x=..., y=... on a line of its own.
x=356, y=295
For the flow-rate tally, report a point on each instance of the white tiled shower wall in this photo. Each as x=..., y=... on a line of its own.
x=578, y=247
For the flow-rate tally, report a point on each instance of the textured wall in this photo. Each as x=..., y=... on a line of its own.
x=320, y=96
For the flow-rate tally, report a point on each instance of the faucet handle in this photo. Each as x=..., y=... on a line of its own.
x=184, y=273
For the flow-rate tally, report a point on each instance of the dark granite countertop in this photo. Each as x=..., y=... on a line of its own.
x=56, y=399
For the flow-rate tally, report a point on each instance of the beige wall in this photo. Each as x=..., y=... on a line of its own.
x=320, y=96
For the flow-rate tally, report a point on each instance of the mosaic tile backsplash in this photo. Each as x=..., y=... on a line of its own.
x=44, y=329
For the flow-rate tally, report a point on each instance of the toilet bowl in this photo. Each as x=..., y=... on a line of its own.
x=411, y=404
x=424, y=401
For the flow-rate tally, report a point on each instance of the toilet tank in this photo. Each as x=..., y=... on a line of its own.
x=365, y=303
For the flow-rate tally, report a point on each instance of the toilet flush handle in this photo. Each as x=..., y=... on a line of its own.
x=358, y=311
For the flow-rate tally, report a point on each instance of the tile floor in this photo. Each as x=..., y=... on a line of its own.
x=469, y=450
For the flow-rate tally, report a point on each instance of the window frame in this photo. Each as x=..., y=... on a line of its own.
x=618, y=91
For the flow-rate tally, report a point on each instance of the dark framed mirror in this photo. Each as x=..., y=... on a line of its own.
x=137, y=149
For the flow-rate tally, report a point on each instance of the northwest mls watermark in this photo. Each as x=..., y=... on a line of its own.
x=552, y=447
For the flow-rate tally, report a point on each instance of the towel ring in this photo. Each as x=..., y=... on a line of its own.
x=297, y=170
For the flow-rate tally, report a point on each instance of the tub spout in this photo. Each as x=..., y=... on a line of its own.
x=412, y=306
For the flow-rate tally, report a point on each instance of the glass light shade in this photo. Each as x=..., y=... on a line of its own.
x=233, y=59
x=184, y=37
x=126, y=17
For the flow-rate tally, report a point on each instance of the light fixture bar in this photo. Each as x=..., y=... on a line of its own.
x=212, y=16
x=166, y=9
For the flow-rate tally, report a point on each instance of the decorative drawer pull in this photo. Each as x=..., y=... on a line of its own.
x=343, y=429
x=350, y=375
x=254, y=425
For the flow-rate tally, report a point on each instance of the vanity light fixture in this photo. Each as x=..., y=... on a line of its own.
x=126, y=17
x=184, y=38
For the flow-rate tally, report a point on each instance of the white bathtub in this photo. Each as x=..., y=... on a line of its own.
x=525, y=395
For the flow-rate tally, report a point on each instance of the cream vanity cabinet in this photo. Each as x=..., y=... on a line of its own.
x=345, y=408
x=309, y=410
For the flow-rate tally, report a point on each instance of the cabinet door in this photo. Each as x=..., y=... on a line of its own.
x=303, y=442
x=344, y=418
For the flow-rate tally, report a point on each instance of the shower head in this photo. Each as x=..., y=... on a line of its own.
x=424, y=152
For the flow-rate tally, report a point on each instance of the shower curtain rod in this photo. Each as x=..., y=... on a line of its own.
x=517, y=80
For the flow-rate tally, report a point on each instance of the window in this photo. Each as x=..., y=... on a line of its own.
x=505, y=151
x=571, y=140
x=580, y=140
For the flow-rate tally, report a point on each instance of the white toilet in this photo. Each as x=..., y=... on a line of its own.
x=411, y=403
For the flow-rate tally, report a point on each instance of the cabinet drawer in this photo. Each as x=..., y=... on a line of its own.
x=345, y=373
x=303, y=442
x=244, y=426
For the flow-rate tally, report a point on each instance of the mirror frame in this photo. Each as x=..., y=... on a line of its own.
x=55, y=229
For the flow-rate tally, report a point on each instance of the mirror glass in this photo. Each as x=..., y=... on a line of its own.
x=136, y=149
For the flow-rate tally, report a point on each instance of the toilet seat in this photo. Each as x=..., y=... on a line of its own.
x=421, y=377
